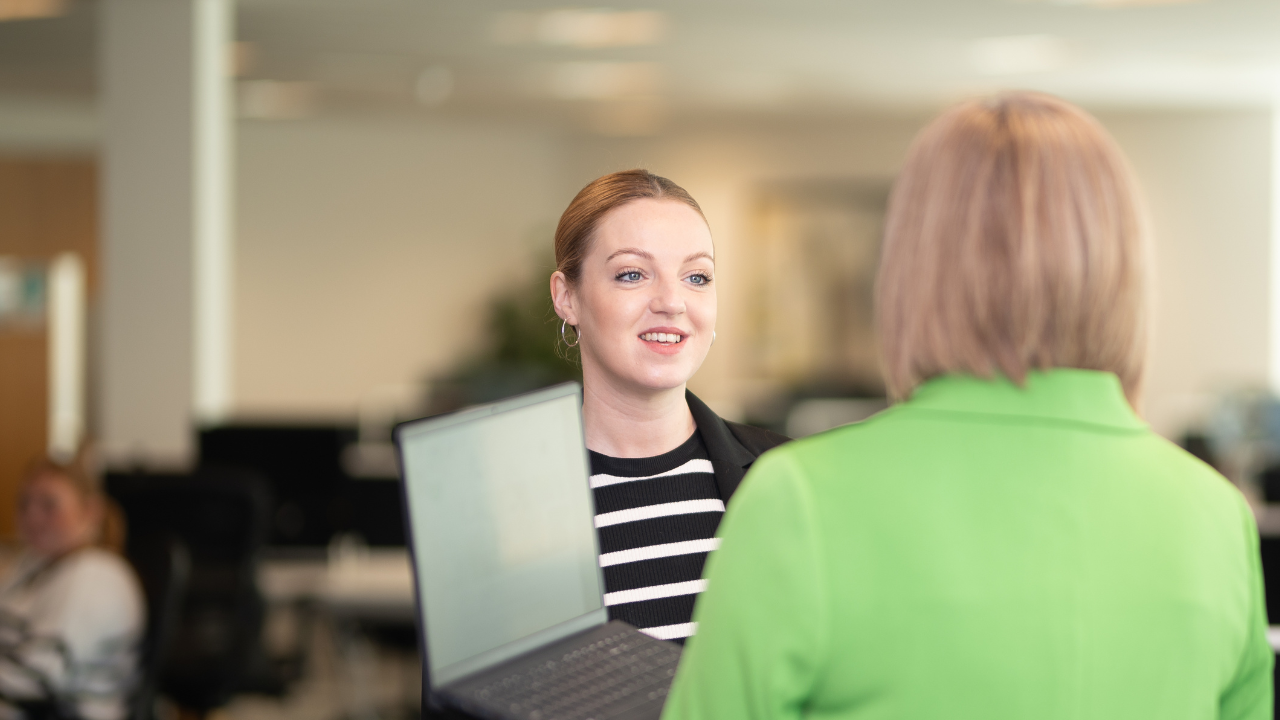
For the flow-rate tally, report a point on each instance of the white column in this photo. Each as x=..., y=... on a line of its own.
x=214, y=239
x=164, y=91
x=66, y=355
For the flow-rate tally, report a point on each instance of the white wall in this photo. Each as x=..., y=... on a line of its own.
x=1207, y=181
x=366, y=250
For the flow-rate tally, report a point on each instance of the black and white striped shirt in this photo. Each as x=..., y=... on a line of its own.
x=657, y=520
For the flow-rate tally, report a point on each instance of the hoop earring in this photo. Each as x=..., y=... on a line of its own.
x=713, y=337
x=577, y=334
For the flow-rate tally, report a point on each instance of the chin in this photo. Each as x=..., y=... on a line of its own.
x=666, y=378
x=646, y=374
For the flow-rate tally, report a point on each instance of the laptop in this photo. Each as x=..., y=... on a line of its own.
x=501, y=531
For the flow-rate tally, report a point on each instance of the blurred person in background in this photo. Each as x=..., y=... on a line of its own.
x=635, y=289
x=1010, y=540
x=71, y=613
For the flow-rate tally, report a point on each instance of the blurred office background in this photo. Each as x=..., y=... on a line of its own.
x=248, y=237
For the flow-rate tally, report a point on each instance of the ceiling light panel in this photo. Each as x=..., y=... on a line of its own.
x=580, y=28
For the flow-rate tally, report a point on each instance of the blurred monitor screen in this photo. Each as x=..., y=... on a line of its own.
x=313, y=498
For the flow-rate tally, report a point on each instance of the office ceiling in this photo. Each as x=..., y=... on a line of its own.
x=640, y=65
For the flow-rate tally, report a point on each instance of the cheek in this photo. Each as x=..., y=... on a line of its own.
x=37, y=518
x=63, y=517
x=702, y=311
x=614, y=314
x=54, y=516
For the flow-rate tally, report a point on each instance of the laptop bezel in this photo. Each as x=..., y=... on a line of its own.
x=431, y=697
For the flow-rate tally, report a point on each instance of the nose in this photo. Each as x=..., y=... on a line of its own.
x=667, y=299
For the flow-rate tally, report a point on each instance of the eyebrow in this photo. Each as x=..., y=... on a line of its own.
x=649, y=256
x=630, y=251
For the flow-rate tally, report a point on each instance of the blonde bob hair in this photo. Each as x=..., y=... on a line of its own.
x=1014, y=242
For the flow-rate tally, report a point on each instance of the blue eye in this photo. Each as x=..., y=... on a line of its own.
x=629, y=276
x=699, y=279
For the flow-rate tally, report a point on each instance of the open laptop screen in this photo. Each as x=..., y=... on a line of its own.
x=502, y=532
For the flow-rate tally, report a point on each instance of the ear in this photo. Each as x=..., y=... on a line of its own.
x=562, y=297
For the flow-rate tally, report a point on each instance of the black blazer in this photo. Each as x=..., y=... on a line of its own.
x=732, y=446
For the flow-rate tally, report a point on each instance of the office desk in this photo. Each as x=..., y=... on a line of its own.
x=374, y=584
x=363, y=600
x=377, y=585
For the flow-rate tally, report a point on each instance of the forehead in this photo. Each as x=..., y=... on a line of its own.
x=662, y=228
x=49, y=481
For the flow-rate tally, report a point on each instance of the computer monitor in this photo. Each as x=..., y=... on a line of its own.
x=501, y=530
x=314, y=498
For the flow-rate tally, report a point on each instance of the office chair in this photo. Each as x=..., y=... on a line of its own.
x=163, y=566
x=221, y=518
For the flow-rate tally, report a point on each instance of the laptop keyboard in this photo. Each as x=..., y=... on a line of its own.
x=606, y=678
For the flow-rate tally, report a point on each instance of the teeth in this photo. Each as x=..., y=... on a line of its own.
x=661, y=337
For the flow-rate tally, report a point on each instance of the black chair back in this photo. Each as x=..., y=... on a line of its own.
x=221, y=518
x=164, y=570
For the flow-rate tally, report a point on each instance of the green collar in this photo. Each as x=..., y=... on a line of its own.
x=1063, y=394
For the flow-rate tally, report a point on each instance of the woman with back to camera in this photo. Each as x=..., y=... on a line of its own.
x=635, y=289
x=1010, y=540
x=71, y=614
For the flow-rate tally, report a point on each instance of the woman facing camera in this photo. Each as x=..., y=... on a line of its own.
x=1010, y=540
x=71, y=614
x=635, y=289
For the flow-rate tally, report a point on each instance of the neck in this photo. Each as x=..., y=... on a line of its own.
x=634, y=424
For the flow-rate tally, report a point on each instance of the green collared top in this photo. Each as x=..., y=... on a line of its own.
x=983, y=551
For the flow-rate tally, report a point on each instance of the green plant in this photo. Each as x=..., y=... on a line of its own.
x=522, y=351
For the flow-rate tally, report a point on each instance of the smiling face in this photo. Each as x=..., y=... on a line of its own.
x=645, y=302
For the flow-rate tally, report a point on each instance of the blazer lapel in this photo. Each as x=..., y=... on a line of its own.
x=729, y=458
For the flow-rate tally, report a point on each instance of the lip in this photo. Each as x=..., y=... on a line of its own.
x=660, y=348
